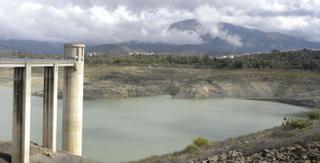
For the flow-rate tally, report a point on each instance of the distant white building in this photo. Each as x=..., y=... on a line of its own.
x=92, y=54
x=142, y=53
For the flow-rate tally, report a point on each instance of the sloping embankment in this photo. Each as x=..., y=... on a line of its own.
x=119, y=82
x=39, y=154
x=272, y=145
x=293, y=87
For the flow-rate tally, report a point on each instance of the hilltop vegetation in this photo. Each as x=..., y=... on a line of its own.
x=298, y=60
x=290, y=60
x=11, y=54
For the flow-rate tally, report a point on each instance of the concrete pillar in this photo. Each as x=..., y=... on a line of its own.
x=73, y=100
x=50, y=96
x=21, y=114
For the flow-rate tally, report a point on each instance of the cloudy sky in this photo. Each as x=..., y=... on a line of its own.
x=110, y=21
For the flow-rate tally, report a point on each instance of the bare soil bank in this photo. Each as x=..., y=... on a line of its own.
x=293, y=87
x=116, y=82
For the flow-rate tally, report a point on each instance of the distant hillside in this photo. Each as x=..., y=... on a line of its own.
x=145, y=47
x=252, y=40
x=30, y=46
x=286, y=60
x=232, y=39
x=191, y=25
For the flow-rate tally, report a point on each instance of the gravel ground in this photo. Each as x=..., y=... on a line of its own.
x=41, y=155
x=307, y=153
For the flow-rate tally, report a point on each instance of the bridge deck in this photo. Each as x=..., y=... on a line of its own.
x=21, y=62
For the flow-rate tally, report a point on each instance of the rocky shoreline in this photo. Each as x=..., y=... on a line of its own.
x=307, y=153
x=292, y=87
x=120, y=82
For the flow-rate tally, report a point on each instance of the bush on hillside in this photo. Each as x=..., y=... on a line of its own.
x=296, y=123
x=191, y=148
x=201, y=142
x=314, y=115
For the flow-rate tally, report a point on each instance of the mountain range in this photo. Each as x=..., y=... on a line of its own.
x=230, y=38
x=241, y=39
x=31, y=46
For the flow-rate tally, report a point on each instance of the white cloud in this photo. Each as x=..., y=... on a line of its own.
x=119, y=15
x=211, y=24
x=292, y=23
x=234, y=40
x=30, y=7
x=99, y=21
x=275, y=7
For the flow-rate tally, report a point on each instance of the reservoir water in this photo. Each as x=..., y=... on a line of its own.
x=131, y=129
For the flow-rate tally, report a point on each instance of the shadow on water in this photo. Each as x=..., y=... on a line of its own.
x=6, y=157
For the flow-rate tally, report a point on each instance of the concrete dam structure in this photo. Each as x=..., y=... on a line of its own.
x=73, y=65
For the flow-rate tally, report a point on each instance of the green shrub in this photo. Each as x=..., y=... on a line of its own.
x=173, y=89
x=201, y=142
x=314, y=115
x=191, y=148
x=296, y=123
x=316, y=137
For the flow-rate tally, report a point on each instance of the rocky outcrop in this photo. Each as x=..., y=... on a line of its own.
x=309, y=152
x=303, y=93
x=122, y=92
x=293, y=87
x=230, y=89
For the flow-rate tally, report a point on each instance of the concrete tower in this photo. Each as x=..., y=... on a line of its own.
x=73, y=100
x=21, y=114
